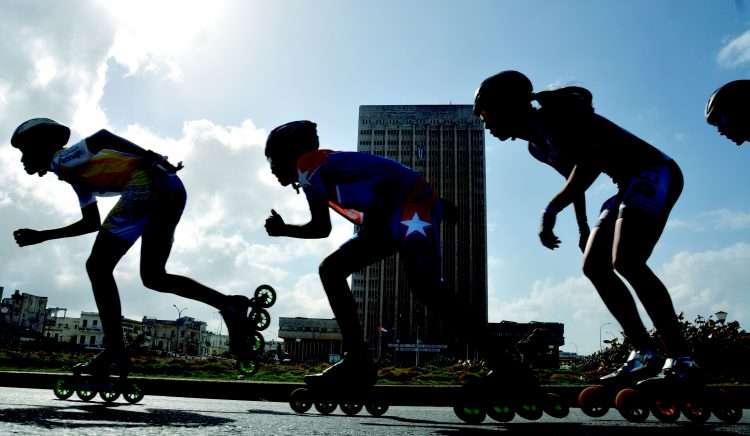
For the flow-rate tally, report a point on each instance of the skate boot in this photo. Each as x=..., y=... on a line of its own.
x=347, y=384
x=95, y=376
x=348, y=372
x=245, y=341
x=596, y=400
x=679, y=387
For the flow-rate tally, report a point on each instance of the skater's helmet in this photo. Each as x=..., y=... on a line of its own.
x=40, y=132
x=506, y=92
x=291, y=140
x=728, y=101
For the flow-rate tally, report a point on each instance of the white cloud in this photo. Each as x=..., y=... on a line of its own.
x=718, y=219
x=725, y=219
x=736, y=52
x=154, y=36
x=704, y=282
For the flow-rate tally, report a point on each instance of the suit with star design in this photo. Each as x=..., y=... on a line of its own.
x=370, y=190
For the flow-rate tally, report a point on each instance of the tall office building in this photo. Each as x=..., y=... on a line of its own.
x=445, y=143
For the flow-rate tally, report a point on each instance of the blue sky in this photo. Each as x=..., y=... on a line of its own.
x=204, y=82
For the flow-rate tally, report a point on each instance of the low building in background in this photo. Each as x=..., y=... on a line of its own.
x=311, y=339
x=216, y=344
x=185, y=335
x=22, y=317
x=91, y=334
x=62, y=329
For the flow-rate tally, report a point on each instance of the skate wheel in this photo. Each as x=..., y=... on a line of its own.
x=109, y=396
x=132, y=393
x=501, y=412
x=470, y=413
x=86, y=394
x=248, y=366
x=62, y=389
x=593, y=401
x=555, y=407
x=666, y=410
x=260, y=319
x=325, y=407
x=529, y=410
x=256, y=343
x=376, y=408
x=696, y=411
x=299, y=400
x=350, y=409
x=730, y=415
x=265, y=295
x=631, y=406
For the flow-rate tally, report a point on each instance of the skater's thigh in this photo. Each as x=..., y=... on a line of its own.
x=363, y=249
x=159, y=228
x=107, y=251
x=597, y=256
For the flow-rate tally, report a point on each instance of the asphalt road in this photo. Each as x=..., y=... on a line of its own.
x=37, y=412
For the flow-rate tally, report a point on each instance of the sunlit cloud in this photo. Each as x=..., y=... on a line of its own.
x=736, y=52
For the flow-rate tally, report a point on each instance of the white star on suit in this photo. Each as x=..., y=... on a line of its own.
x=415, y=224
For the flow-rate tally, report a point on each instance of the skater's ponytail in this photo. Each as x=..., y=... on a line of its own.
x=567, y=101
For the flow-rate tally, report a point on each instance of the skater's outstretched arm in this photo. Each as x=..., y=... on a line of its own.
x=319, y=226
x=106, y=139
x=89, y=223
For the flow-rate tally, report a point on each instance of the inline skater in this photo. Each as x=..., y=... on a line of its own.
x=152, y=199
x=397, y=211
x=726, y=112
x=568, y=135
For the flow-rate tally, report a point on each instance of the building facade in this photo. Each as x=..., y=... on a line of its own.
x=445, y=143
x=25, y=314
x=216, y=344
x=307, y=339
x=62, y=328
x=185, y=335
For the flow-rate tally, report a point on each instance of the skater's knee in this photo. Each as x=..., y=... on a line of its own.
x=95, y=267
x=595, y=269
x=153, y=279
x=330, y=270
x=628, y=266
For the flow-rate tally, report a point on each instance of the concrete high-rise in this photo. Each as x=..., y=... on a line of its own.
x=445, y=143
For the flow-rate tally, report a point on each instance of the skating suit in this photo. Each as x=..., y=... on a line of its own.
x=144, y=192
x=647, y=179
x=392, y=204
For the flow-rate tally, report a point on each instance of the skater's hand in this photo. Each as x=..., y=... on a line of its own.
x=583, y=236
x=154, y=159
x=275, y=225
x=26, y=237
x=546, y=235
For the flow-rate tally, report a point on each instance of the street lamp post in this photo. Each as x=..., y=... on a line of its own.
x=179, y=315
x=600, y=334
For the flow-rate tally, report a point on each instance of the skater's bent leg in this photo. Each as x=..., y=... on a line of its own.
x=106, y=253
x=597, y=266
x=352, y=256
x=635, y=238
x=423, y=266
x=157, y=240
